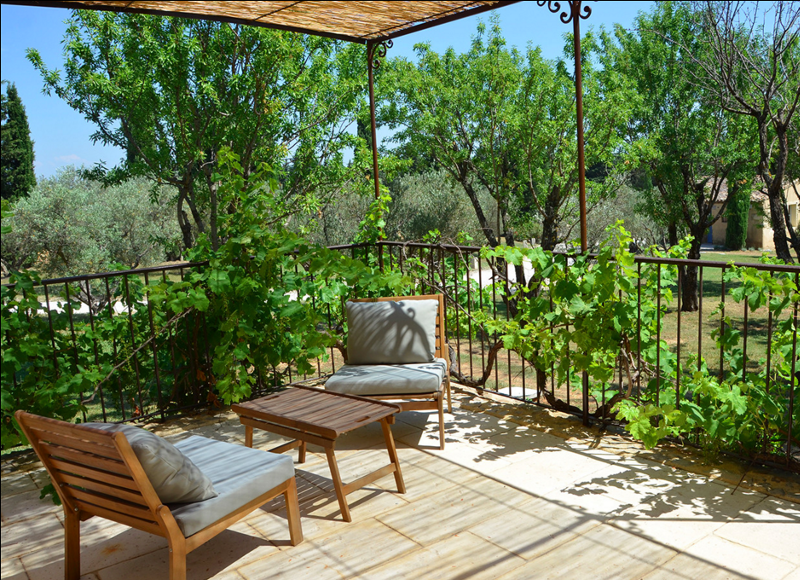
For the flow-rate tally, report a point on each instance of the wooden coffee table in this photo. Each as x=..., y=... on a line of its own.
x=312, y=415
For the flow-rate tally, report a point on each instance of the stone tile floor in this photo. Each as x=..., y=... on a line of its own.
x=515, y=494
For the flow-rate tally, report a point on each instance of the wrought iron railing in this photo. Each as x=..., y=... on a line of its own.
x=162, y=362
x=157, y=371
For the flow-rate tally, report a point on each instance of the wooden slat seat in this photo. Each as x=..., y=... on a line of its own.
x=97, y=473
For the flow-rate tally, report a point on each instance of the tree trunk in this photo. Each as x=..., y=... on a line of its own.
x=672, y=234
x=550, y=221
x=491, y=236
x=183, y=223
x=778, y=223
x=794, y=232
x=773, y=174
x=689, y=295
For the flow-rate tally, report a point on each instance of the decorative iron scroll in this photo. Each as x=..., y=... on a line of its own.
x=583, y=11
x=377, y=52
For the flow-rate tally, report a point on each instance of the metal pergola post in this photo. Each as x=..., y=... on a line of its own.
x=375, y=52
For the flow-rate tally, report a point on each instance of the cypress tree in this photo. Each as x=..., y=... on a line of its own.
x=737, y=211
x=16, y=148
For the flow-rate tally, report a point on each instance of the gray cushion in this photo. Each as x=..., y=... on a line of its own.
x=408, y=379
x=391, y=332
x=240, y=474
x=173, y=475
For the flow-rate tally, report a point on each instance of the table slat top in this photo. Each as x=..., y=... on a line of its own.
x=316, y=411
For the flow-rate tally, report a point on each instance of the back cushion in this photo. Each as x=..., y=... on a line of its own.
x=174, y=477
x=391, y=332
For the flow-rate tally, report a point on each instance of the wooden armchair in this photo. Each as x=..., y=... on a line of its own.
x=397, y=352
x=97, y=473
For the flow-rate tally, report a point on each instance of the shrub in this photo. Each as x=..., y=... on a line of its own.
x=70, y=225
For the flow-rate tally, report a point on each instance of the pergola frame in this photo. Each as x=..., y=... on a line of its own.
x=409, y=17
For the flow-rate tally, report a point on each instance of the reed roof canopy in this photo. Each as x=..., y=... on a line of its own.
x=351, y=20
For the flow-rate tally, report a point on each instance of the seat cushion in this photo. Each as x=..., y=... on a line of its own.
x=408, y=379
x=174, y=477
x=391, y=332
x=240, y=474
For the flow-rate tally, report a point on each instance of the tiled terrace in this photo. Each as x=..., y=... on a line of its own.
x=515, y=494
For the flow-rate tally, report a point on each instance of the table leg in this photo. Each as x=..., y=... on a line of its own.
x=398, y=475
x=337, y=484
x=248, y=436
x=302, y=458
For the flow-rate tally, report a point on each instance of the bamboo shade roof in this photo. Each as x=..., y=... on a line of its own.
x=351, y=20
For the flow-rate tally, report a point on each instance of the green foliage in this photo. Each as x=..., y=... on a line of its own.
x=431, y=200
x=420, y=202
x=644, y=230
x=751, y=66
x=16, y=147
x=650, y=423
x=744, y=411
x=256, y=308
x=580, y=314
x=171, y=92
x=678, y=132
x=502, y=121
x=70, y=225
x=265, y=289
x=494, y=122
x=371, y=227
x=738, y=213
x=56, y=370
x=583, y=310
x=41, y=372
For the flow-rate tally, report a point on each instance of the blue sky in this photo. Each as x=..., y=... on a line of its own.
x=62, y=137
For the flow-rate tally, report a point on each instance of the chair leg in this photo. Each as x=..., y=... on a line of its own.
x=72, y=545
x=449, y=401
x=177, y=559
x=440, y=401
x=293, y=513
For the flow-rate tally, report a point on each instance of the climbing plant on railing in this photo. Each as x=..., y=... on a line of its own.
x=54, y=358
x=739, y=410
x=579, y=313
x=41, y=369
x=258, y=311
x=265, y=289
x=255, y=312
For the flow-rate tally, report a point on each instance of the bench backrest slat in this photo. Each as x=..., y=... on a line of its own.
x=94, y=471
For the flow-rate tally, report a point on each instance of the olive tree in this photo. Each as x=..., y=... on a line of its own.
x=69, y=225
